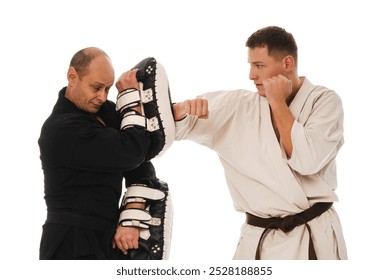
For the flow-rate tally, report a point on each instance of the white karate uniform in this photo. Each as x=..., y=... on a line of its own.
x=260, y=177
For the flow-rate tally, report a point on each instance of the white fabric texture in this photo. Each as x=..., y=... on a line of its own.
x=262, y=180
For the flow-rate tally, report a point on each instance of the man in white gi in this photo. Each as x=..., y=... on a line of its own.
x=278, y=148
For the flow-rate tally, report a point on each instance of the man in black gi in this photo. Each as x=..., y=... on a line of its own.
x=87, y=147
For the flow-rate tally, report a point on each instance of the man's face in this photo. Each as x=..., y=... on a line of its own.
x=262, y=67
x=91, y=91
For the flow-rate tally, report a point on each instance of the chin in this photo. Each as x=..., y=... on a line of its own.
x=261, y=93
x=94, y=111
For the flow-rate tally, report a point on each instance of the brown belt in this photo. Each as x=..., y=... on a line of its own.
x=288, y=223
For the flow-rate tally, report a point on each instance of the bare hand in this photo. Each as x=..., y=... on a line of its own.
x=127, y=80
x=194, y=107
x=277, y=89
x=126, y=238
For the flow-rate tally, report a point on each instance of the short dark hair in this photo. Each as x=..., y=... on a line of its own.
x=277, y=40
x=81, y=59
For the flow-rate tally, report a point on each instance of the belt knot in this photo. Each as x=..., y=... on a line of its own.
x=288, y=223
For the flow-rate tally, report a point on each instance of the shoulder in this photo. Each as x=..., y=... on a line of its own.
x=318, y=90
x=320, y=103
x=109, y=105
x=319, y=95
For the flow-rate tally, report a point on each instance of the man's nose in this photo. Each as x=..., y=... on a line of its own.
x=102, y=96
x=252, y=75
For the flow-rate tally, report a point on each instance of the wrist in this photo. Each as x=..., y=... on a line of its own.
x=277, y=105
x=135, y=205
x=178, y=113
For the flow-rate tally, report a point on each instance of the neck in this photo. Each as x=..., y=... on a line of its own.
x=68, y=94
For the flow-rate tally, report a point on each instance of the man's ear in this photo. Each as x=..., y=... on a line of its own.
x=72, y=76
x=288, y=63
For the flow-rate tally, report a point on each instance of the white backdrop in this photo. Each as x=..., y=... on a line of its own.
x=342, y=45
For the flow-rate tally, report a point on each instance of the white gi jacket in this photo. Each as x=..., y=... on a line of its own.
x=262, y=180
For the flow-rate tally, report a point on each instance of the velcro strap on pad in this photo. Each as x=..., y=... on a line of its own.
x=133, y=200
x=127, y=99
x=134, y=218
x=133, y=223
x=153, y=124
x=132, y=118
x=141, y=190
x=146, y=95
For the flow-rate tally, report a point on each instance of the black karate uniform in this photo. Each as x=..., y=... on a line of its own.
x=83, y=163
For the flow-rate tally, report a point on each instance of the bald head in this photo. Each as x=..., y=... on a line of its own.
x=82, y=59
x=90, y=76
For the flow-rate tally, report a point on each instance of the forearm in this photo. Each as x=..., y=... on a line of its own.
x=135, y=205
x=284, y=122
x=318, y=136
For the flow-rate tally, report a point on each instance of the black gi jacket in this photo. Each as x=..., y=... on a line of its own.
x=83, y=163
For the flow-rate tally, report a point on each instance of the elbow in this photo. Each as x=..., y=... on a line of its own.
x=305, y=170
x=309, y=165
x=137, y=148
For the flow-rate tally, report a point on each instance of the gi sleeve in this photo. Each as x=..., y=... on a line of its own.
x=207, y=132
x=317, y=139
x=109, y=149
x=79, y=142
x=143, y=174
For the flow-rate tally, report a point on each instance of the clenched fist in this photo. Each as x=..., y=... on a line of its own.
x=194, y=107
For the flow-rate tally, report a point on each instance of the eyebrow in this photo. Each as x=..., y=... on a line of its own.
x=256, y=62
x=99, y=84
